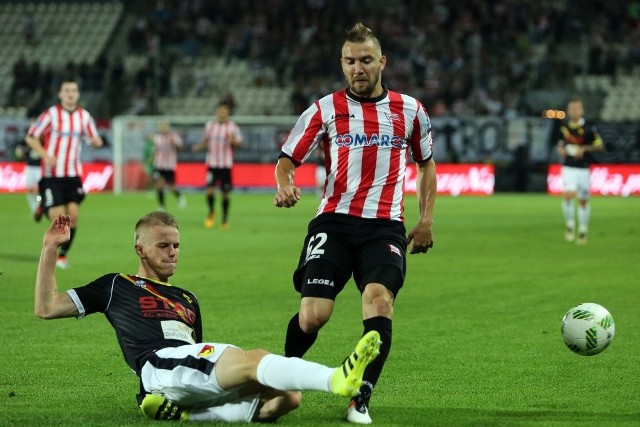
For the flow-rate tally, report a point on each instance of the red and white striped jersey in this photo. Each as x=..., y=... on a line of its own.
x=165, y=155
x=365, y=146
x=63, y=131
x=219, y=137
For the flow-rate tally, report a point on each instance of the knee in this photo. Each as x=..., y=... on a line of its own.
x=312, y=320
x=380, y=303
x=282, y=404
x=292, y=400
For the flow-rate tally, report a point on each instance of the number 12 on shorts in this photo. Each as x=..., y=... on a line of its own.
x=314, y=247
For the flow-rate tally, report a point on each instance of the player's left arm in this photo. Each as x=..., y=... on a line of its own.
x=49, y=304
x=94, y=137
x=595, y=145
x=177, y=141
x=236, y=138
x=426, y=188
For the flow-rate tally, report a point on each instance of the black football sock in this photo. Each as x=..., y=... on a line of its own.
x=297, y=341
x=210, y=202
x=177, y=193
x=225, y=209
x=373, y=371
x=161, y=198
x=64, y=248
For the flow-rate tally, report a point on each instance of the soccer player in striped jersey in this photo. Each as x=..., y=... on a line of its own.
x=166, y=144
x=367, y=132
x=221, y=137
x=578, y=140
x=159, y=329
x=63, y=127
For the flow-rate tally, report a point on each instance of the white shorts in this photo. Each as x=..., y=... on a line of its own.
x=32, y=175
x=186, y=375
x=576, y=180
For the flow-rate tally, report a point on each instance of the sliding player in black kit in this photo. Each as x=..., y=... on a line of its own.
x=159, y=329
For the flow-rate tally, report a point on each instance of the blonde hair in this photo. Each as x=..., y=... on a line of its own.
x=154, y=218
x=360, y=33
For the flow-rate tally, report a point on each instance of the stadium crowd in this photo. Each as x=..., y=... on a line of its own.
x=457, y=56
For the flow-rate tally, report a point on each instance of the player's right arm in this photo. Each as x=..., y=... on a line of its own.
x=35, y=145
x=36, y=131
x=200, y=146
x=49, y=304
x=287, y=194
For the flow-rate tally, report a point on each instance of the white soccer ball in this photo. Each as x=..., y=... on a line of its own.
x=588, y=329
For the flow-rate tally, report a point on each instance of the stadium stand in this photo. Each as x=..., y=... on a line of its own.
x=48, y=38
x=459, y=57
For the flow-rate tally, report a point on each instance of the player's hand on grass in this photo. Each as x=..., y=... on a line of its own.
x=287, y=196
x=59, y=232
x=420, y=238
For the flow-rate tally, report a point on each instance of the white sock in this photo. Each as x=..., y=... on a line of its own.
x=568, y=212
x=242, y=409
x=584, y=213
x=32, y=199
x=293, y=374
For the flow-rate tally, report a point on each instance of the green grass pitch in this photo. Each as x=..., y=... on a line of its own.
x=476, y=332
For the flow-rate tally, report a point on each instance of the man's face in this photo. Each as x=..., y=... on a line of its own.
x=222, y=113
x=158, y=247
x=163, y=127
x=362, y=65
x=575, y=111
x=69, y=95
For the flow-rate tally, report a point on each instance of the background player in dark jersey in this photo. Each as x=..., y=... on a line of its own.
x=159, y=329
x=577, y=140
x=32, y=175
x=367, y=132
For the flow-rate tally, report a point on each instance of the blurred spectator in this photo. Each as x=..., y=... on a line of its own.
x=30, y=30
x=523, y=46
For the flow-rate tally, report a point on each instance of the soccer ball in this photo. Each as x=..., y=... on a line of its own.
x=588, y=329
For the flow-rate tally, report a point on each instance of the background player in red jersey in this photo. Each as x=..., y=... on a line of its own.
x=166, y=144
x=159, y=329
x=221, y=137
x=63, y=127
x=359, y=230
x=577, y=140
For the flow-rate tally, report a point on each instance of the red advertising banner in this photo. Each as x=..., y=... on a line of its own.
x=606, y=180
x=97, y=177
x=453, y=179
x=457, y=179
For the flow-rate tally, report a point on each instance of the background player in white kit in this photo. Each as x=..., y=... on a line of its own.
x=166, y=144
x=63, y=128
x=358, y=230
x=159, y=329
x=577, y=141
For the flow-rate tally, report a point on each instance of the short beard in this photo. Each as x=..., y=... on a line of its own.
x=367, y=91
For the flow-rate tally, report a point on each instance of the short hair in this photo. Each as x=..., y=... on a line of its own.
x=360, y=33
x=155, y=218
x=68, y=79
x=575, y=98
